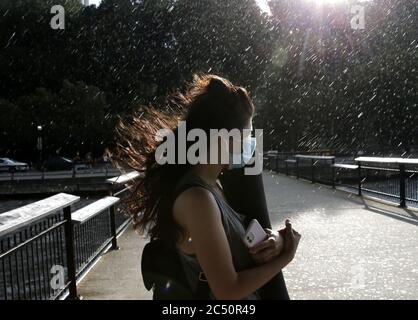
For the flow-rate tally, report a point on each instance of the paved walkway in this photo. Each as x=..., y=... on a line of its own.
x=350, y=248
x=117, y=275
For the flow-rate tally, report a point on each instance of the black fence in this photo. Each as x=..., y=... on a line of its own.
x=17, y=176
x=44, y=259
x=390, y=179
x=26, y=259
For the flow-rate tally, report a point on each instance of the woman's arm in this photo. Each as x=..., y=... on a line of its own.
x=197, y=211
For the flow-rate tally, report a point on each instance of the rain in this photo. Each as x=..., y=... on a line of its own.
x=327, y=77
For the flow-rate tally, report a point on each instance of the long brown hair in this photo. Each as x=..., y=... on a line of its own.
x=209, y=102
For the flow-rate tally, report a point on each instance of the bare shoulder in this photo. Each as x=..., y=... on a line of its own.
x=195, y=202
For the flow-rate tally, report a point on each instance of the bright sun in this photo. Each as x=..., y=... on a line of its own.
x=264, y=6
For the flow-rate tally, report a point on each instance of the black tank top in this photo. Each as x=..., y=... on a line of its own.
x=233, y=224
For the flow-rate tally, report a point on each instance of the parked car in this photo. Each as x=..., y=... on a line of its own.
x=58, y=163
x=7, y=164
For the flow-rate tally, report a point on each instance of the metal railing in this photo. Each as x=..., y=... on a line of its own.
x=45, y=248
x=104, y=172
x=391, y=179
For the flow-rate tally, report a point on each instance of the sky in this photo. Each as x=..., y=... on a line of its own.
x=96, y=2
x=264, y=6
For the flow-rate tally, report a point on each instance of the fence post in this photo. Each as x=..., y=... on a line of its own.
x=312, y=171
x=333, y=172
x=359, y=178
x=402, y=186
x=297, y=168
x=113, y=228
x=69, y=248
x=287, y=170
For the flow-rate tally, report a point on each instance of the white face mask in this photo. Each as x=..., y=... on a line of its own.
x=239, y=160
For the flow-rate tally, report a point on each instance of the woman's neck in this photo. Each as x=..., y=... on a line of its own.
x=208, y=172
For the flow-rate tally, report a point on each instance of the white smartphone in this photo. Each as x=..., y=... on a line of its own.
x=254, y=234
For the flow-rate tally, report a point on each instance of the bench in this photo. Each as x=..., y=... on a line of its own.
x=345, y=166
x=387, y=160
x=300, y=156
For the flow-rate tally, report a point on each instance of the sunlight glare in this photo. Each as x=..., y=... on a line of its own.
x=264, y=7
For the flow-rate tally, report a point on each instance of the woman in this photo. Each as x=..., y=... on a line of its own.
x=184, y=205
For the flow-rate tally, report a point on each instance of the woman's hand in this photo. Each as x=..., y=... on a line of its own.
x=284, y=242
x=268, y=249
x=291, y=241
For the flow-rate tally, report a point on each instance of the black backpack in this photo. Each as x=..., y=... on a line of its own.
x=162, y=272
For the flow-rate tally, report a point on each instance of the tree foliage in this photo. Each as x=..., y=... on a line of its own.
x=316, y=82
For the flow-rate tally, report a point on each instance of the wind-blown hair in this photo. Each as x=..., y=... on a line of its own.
x=209, y=102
